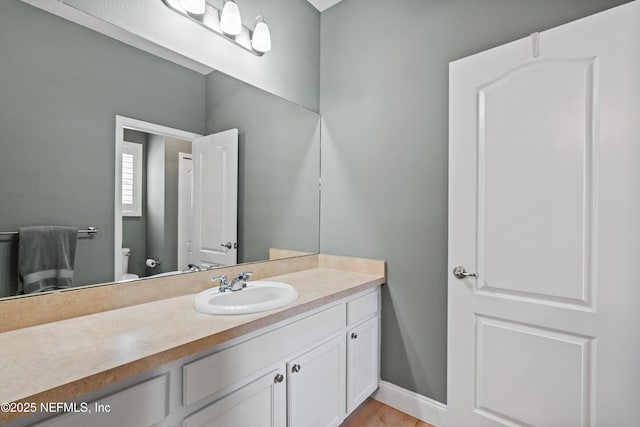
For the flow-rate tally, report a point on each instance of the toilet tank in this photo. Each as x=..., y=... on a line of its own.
x=125, y=260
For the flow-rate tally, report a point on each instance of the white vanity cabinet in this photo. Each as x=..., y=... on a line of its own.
x=306, y=371
x=306, y=391
x=327, y=371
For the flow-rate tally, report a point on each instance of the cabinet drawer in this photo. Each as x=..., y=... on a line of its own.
x=362, y=307
x=142, y=405
x=217, y=373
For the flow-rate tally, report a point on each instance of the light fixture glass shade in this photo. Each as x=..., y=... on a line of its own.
x=261, y=39
x=196, y=7
x=230, y=21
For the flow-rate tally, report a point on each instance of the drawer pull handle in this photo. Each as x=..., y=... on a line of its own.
x=295, y=368
x=279, y=378
x=354, y=335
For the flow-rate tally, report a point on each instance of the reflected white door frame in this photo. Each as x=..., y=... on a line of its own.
x=123, y=123
x=185, y=209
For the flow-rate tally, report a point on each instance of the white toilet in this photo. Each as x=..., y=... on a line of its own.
x=125, y=265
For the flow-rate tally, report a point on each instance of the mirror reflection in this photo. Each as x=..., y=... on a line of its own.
x=61, y=88
x=155, y=194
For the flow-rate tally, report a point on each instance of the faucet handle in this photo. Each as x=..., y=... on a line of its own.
x=245, y=275
x=193, y=267
x=240, y=282
x=222, y=279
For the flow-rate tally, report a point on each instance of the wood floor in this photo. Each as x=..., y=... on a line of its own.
x=375, y=414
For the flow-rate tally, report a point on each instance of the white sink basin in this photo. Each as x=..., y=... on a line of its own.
x=258, y=296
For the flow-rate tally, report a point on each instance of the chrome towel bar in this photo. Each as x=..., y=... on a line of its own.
x=91, y=231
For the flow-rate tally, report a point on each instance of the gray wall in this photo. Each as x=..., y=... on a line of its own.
x=279, y=166
x=61, y=86
x=384, y=83
x=155, y=233
x=154, y=205
x=290, y=69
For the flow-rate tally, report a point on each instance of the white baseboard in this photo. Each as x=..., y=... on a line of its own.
x=428, y=410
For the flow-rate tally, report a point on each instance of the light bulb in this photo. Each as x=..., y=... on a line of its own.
x=261, y=39
x=196, y=7
x=230, y=20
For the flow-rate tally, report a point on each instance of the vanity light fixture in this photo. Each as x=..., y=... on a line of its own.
x=230, y=20
x=226, y=23
x=261, y=39
x=196, y=7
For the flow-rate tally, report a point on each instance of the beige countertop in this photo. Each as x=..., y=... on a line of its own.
x=62, y=360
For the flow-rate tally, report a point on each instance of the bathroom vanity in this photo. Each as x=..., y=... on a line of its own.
x=310, y=363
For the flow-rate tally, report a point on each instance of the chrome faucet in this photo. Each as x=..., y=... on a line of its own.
x=193, y=267
x=224, y=284
x=240, y=282
x=236, y=284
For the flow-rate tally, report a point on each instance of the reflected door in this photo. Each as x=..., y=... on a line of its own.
x=215, y=199
x=545, y=208
x=185, y=209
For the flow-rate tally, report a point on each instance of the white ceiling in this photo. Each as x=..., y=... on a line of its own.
x=323, y=4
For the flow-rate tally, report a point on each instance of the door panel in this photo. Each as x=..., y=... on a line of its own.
x=534, y=190
x=215, y=199
x=544, y=205
x=517, y=367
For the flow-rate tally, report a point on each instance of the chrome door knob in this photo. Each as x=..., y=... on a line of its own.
x=227, y=245
x=354, y=335
x=460, y=273
x=279, y=378
x=295, y=368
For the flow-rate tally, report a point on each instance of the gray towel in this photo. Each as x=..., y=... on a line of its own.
x=46, y=257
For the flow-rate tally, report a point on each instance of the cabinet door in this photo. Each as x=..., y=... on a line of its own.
x=316, y=386
x=142, y=405
x=260, y=403
x=363, y=362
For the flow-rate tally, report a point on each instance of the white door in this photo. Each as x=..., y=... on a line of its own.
x=185, y=209
x=545, y=207
x=215, y=199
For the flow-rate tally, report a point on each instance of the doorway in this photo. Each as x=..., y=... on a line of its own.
x=183, y=206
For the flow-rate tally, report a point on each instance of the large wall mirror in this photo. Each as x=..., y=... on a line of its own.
x=62, y=87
